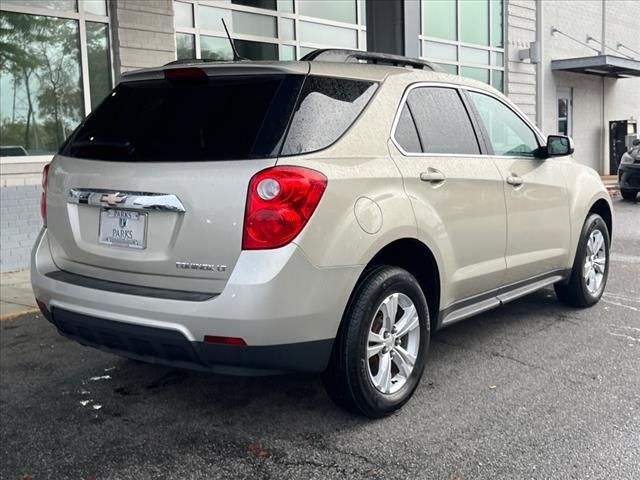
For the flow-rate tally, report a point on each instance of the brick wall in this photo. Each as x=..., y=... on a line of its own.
x=20, y=223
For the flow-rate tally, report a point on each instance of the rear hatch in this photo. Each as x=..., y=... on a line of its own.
x=151, y=188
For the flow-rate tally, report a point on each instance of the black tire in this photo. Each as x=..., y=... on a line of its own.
x=628, y=194
x=347, y=378
x=575, y=292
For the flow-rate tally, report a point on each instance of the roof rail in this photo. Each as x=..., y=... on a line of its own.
x=358, y=56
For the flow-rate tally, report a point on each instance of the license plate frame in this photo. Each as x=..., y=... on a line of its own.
x=120, y=219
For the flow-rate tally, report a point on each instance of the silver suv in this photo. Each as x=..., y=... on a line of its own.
x=325, y=215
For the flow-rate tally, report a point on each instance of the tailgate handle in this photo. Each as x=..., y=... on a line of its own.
x=127, y=200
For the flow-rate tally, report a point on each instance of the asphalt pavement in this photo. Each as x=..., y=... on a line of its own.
x=532, y=390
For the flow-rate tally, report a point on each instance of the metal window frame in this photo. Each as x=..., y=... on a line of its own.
x=459, y=44
x=80, y=16
x=478, y=129
x=359, y=28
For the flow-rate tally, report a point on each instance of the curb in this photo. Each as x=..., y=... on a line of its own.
x=12, y=315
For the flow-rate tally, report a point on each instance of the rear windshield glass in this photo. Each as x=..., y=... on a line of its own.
x=219, y=118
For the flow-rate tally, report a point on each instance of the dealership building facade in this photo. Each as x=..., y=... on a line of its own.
x=572, y=66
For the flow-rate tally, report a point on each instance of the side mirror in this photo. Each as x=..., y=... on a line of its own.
x=557, y=146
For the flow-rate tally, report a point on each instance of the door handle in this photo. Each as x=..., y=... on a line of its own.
x=515, y=180
x=432, y=176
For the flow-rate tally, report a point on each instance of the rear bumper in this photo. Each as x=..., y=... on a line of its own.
x=284, y=308
x=169, y=347
x=629, y=176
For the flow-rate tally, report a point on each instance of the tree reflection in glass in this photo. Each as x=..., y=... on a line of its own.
x=40, y=81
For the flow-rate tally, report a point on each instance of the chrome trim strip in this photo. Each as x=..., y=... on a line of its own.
x=95, y=197
x=468, y=307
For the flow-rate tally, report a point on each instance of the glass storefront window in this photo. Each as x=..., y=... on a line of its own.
x=40, y=81
x=209, y=18
x=183, y=13
x=215, y=48
x=99, y=61
x=439, y=19
x=481, y=74
x=277, y=31
x=323, y=34
x=66, y=5
x=474, y=55
x=95, y=7
x=253, y=24
x=497, y=79
x=285, y=6
x=287, y=29
x=451, y=30
x=474, y=21
x=337, y=10
x=287, y=52
x=452, y=69
x=268, y=4
x=497, y=26
x=185, y=45
x=440, y=51
x=257, y=50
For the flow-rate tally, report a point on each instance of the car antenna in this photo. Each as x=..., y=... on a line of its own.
x=236, y=56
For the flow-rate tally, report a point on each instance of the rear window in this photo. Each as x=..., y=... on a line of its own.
x=326, y=109
x=219, y=118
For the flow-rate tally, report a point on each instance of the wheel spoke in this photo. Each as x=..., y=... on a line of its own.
x=389, y=311
x=407, y=322
x=599, y=265
x=374, y=350
x=592, y=279
x=382, y=380
x=598, y=241
x=404, y=361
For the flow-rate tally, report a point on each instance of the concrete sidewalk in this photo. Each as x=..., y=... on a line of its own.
x=16, y=296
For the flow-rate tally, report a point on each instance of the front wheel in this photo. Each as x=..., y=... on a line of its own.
x=380, y=353
x=590, y=267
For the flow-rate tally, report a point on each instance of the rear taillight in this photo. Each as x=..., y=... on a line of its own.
x=279, y=203
x=43, y=196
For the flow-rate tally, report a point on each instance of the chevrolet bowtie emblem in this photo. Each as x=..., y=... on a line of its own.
x=113, y=198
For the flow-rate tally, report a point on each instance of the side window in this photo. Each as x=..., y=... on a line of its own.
x=406, y=134
x=509, y=135
x=442, y=121
x=327, y=107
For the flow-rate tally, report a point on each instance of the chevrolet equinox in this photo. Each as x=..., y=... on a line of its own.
x=326, y=215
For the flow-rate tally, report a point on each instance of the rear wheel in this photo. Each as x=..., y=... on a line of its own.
x=380, y=353
x=628, y=194
x=590, y=267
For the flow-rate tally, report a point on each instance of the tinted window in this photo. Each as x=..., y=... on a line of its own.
x=326, y=109
x=219, y=118
x=509, y=135
x=442, y=121
x=406, y=134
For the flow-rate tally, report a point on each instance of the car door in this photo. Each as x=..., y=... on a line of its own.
x=456, y=192
x=535, y=192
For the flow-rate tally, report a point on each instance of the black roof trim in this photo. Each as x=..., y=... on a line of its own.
x=358, y=56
